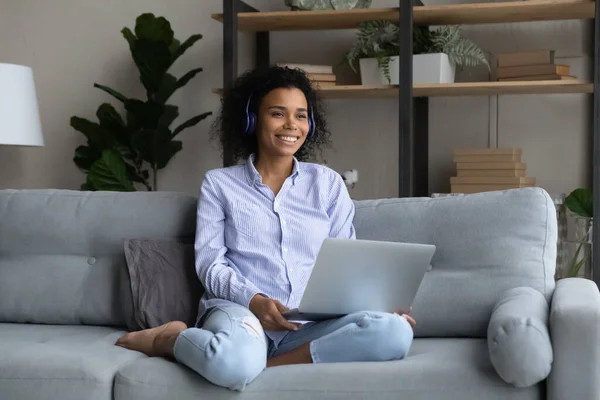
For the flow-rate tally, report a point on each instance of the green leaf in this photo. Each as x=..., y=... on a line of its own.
x=169, y=115
x=86, y=186
x=155, y=146
x=189, y=123
x=168, y=85
x=189, y=42
x=130, y=37
x=153, y=59
x=98, y=136
x=146, y=114
x=85, y=156
x=175, y=147
x=149, y=27
x=112, y=92
x=173, y=48
x=109, y=173
x=581, y=202
x=109, y=117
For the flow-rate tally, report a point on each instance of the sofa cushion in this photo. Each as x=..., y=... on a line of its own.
x=164, y=284
x=450, y=369
x=518, y=339
x=486, y=244
x=49, y=362
x=67, y=246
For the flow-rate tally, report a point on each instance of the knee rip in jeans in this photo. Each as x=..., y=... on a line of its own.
x=252, y=326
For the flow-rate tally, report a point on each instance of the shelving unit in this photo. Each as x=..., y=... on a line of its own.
x=413, y=99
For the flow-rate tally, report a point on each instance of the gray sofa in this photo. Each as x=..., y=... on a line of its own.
x=62, y=302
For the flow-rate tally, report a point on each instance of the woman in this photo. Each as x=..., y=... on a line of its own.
x=260, y=226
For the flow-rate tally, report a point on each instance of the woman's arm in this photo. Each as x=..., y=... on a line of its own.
x=217, y=277
x=340, y=210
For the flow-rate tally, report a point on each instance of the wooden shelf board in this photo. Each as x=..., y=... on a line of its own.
x=499, y=88
x=456, y=89
x=478, y=13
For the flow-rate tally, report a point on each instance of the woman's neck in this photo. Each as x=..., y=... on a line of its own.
x=276, y=168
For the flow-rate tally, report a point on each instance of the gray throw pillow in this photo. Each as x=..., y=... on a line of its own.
x=163, y=281
x=518, y=338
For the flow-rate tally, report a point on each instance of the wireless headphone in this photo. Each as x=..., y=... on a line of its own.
x=250, y=123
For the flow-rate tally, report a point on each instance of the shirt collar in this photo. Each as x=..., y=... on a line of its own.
x=254, y=177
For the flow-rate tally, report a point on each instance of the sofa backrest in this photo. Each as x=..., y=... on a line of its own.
x=61, y=252
x=486, y=244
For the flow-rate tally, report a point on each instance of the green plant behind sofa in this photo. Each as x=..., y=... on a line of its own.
x=121, y=151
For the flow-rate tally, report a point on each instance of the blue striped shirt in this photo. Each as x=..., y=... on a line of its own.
x=249, y=241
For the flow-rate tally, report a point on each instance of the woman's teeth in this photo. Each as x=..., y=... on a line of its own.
x=290, y=139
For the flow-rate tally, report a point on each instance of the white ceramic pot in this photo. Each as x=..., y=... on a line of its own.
x=427, y=68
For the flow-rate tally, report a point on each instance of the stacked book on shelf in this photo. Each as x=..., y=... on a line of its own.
x=484, y=170
x=531, y=66
x=320, y=75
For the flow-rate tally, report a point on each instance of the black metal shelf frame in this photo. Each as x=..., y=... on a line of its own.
x=413, y=113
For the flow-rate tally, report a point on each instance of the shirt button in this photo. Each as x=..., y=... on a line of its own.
x=283, y=223
x=285, y=249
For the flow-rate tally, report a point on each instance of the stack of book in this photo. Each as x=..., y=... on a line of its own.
x=320, y=75
x=484, y=170
x=531, y=66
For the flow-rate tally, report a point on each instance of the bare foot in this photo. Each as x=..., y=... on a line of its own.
x=155, y=342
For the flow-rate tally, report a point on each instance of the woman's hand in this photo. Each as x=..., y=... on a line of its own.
x=268, y=311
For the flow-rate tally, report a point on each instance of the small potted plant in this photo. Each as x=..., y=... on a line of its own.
x=581, y=203
x=437, y=53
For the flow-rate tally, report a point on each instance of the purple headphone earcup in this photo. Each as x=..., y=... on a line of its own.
x=251, y=123
x=311, y=124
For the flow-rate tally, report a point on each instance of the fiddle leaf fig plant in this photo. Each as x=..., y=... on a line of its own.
x=122, y=151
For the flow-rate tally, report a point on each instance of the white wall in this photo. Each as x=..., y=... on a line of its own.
x=73, y=43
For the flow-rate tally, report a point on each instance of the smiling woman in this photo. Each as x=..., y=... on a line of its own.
x=260, y=226
x=261, y=97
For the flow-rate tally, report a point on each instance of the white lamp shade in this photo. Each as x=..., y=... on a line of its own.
x=19, y=115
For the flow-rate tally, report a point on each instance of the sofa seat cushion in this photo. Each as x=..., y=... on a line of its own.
x=49, y=362
x=450, y=369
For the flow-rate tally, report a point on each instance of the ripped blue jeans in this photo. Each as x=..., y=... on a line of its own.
x=231, y=348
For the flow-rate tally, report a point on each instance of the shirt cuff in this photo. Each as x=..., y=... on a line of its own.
x=246, y=294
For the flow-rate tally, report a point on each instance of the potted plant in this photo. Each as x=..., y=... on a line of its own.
x=581, y=203
x=437, y=53
x=123, y=151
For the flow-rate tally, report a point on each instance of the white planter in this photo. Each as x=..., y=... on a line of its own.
x=427, y=68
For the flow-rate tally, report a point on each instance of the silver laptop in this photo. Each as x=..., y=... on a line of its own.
x=362, y=275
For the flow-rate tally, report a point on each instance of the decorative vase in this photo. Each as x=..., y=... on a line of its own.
x=577, y=261
x=427, y=68
x=561, y=218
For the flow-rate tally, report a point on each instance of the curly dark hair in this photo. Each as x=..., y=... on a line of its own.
x=228, y=127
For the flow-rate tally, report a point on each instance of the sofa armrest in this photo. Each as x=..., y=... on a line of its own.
x=575, y=331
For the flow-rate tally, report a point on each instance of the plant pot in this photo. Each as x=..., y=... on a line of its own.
x=427, y=68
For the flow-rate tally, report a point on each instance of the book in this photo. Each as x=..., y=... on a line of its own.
x=471, y=180
x=507, y=169
x=520, y=58
x=321, y=84
x=489, y=158
x=515, y=173
x=467, y=189
x=322, y=77
x=309, y=68
x=539, y=78
x=532, y=70
x=485, y=155
x=486, y=150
